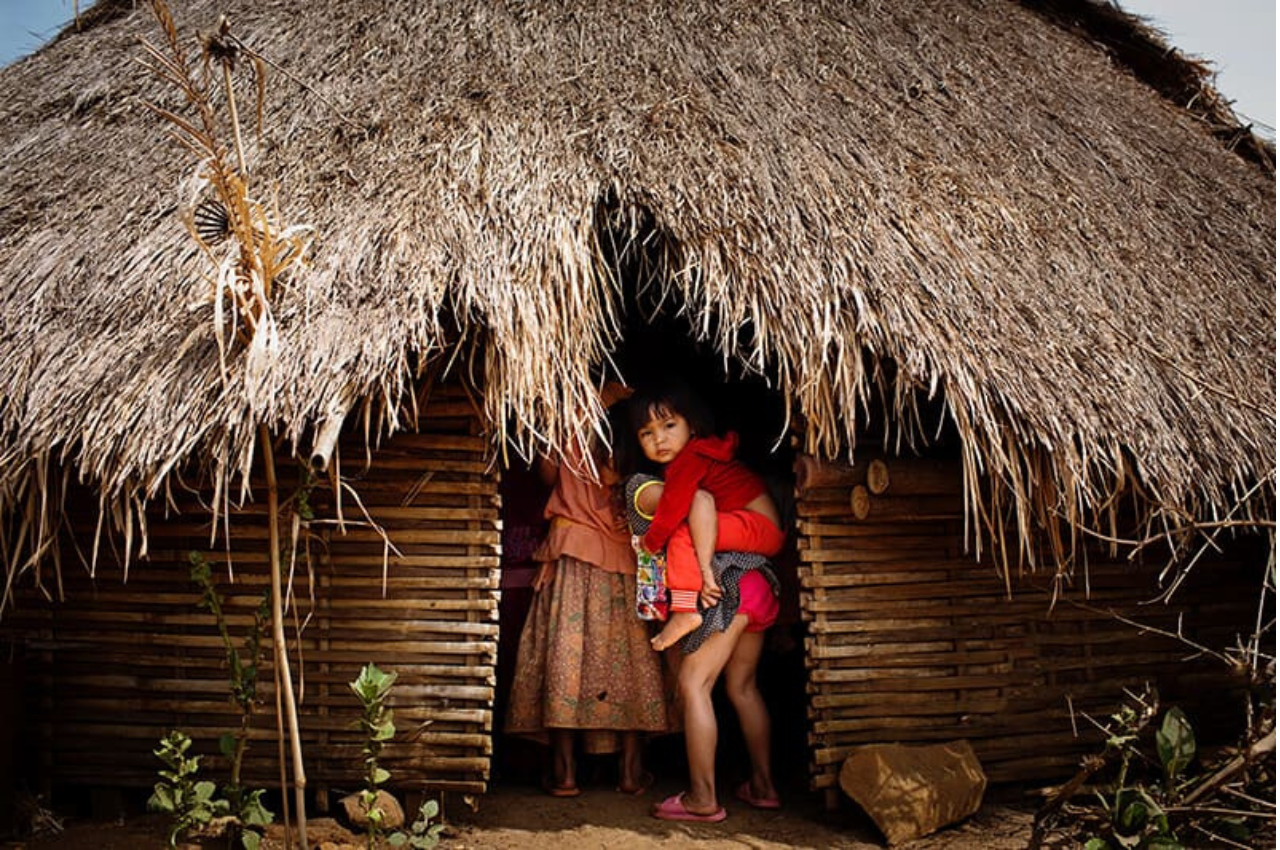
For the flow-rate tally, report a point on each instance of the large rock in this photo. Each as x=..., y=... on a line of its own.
x=392, y=813
x=911, y=791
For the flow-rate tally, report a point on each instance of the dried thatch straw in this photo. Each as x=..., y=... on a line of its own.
x=976, y=192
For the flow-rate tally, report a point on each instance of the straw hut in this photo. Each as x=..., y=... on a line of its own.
x=988, y=287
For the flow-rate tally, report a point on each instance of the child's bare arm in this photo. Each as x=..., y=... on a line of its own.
x=647, y=498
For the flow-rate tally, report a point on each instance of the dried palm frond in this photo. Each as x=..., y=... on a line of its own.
x=260, y=250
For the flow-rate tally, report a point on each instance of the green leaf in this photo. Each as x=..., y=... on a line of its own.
x=380, y=775
x=161, y=800
x=1162, y=842
x=227, y=745
x=205, y=791
x=1133, y=817
x=253, y=813
x=251, y=840
x=1096, y=844
x=1175, y=743
x=397, y=839
x=428, y=810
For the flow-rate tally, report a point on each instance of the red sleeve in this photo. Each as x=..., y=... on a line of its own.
x=679, y=484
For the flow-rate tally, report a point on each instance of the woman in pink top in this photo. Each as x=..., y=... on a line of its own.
x=584, y=666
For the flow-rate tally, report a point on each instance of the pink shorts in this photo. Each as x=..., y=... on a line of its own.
x=757, y=601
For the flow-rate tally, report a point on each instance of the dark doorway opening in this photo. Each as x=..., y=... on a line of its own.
x=656, y=339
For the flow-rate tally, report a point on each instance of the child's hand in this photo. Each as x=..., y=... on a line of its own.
x=710, y=593
x=637, y=545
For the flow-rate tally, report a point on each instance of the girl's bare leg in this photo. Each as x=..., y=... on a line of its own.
x=631, y=777
x=563, y=768
x=753, y=714
x=698, y=674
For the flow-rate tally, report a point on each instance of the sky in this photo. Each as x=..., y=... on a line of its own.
x=1237, y=36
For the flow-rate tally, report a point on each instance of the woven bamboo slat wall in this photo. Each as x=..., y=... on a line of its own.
x=911, y=640
x=120, y=663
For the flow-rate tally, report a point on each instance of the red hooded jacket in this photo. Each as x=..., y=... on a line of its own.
x=705, y=463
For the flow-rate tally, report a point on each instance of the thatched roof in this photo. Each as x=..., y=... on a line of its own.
x=979, y=192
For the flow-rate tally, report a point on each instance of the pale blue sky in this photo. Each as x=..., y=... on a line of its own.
x=1237, y=36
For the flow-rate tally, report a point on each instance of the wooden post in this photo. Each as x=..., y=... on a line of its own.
x=277, y=633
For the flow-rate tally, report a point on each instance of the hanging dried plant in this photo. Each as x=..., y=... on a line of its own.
x=250, y=250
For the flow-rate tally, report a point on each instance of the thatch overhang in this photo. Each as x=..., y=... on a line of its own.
x=972, y=191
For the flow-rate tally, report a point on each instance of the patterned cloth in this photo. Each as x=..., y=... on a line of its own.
x=584, y=662
x=727, y=566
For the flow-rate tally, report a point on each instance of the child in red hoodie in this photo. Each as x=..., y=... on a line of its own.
x=710, y=501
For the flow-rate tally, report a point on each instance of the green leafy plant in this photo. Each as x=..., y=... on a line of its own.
x=242, y=671
x=194, y=804
x=422, y=834
x=1166, y=799
x=1135, y=818
x=191, y=803
x=377, y=722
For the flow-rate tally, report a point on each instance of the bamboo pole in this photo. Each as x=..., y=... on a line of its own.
x=284, y=773
x=277, y=633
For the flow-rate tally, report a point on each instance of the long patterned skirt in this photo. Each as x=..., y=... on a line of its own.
x=585, y=663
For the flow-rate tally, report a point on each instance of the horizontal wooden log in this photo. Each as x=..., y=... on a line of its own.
x=920, y=477
x=923, y=509
x=812, y=473
x=411, y=443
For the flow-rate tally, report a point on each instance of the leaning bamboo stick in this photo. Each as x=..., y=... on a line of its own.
x=277, y=633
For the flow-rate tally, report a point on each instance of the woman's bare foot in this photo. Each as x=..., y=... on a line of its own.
x=679, y=624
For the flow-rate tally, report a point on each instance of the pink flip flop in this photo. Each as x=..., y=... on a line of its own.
x=673, y=808
x=744, y=794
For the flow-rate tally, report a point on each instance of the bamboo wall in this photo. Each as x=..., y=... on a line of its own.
x=118, y=664
x=912, y=640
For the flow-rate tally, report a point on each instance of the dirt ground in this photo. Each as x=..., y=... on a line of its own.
x=525, y=818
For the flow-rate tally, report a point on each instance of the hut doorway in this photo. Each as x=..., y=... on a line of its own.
x=655, y=344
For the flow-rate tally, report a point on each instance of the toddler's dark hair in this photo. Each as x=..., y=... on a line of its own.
x=670, y=396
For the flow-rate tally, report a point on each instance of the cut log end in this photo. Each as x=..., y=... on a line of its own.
x=860, y=502
x=878, y=477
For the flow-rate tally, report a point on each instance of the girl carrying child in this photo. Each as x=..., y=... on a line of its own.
x=708, y=503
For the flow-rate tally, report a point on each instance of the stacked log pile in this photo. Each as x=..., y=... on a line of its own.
x=118, y=664
x=912, y=639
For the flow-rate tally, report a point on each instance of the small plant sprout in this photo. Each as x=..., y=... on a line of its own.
x=377, y=722
x=191, y=803
x=422, y=834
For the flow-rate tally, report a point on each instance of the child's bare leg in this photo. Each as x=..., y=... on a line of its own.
x=684, y=585
x=679, y=624
x=703, y=528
